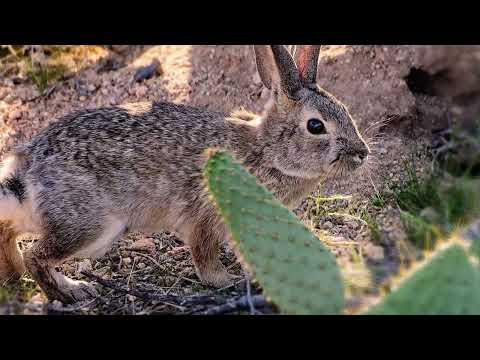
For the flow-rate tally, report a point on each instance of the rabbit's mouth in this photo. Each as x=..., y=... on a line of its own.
x=355, y=162
x=343, y=165
x=335, y=160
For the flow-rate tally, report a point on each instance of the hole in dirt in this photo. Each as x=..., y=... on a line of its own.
x=420, y=82
x=438, y=84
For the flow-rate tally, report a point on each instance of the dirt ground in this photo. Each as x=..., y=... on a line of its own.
x=400, y=95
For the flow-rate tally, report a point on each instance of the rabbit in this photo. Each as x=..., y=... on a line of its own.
x=96, y=174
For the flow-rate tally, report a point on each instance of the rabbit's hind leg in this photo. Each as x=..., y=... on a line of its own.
x=51, y=251
x=11, y=260
x=204, y=243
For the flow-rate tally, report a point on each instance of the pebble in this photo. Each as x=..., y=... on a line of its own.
x=328, y=225
x=37, y=299
x=68, y=268
x=15, y=114
x=352, y=224
x=145, y=244
x=374, y=252
x=127, y=261
x=141, y=91
x=85, y=265
x=147, y=72
x=429, y=214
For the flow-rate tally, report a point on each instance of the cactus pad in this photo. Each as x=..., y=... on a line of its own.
x=448, y=283
x=297, y=272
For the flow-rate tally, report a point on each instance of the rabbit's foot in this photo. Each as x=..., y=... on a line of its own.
x=68, y=290
x=217, y=277
x=76, y=290
x=11, y=260
x=56, y=285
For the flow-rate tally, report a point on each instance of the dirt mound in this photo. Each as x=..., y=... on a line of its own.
x=381, y=82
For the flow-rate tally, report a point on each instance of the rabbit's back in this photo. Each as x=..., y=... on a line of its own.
x=142, y=161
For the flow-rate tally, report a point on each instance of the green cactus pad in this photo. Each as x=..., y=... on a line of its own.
x=475, y=247
x=447, y=284
x=297, y=272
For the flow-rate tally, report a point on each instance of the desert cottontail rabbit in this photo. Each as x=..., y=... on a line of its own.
x=93, y=175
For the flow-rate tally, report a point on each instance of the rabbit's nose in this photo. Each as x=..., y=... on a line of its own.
x=363, y=152
x=361, y=155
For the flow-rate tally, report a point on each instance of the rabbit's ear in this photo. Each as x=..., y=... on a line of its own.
x=306, y=58
x=277, y=68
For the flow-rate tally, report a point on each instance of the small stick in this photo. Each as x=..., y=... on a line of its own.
x=256, y=301
x=236, y=305
x=146, y=296
x=249, y=296
x=111, y=285
x=231, y=285
x=73, y=308
x=165, y=270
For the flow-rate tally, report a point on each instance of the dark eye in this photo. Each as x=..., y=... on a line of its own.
x=316, y=127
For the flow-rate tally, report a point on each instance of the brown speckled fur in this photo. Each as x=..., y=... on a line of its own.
x=95, y=174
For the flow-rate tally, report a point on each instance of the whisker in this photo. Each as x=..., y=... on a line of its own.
x=373, y=127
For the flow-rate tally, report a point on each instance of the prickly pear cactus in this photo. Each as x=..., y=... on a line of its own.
x=297, y=272
x=446, y=283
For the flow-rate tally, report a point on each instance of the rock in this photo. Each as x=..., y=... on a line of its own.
x=472, y=232
x=145, y=244
x=15, y=114
x=327, y=225
x=68, y=268
x=110, y=64
x=338, y=239
x=141, y=91
x=119, y=48
x=374, y=252
x=38, y=298
x=257, y=79
x=56, y=305
x=146, y=72
x=430, y=215
x=85, y=265
x=352, y=224
x=127, y=261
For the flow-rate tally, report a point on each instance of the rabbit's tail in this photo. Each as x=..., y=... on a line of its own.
x=13, y=216
x=12, y=185
x=12, y=194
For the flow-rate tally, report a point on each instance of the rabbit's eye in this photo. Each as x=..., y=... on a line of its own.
x=316, y=127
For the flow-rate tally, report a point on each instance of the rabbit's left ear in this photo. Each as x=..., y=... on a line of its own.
x=277, y=69
x=306, y=58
